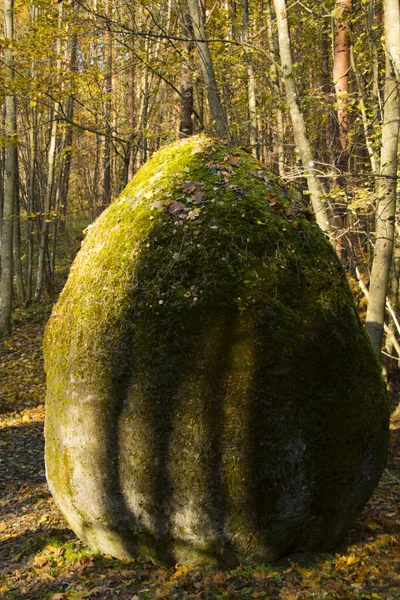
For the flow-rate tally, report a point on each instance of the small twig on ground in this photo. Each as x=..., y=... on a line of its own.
x=392, y=477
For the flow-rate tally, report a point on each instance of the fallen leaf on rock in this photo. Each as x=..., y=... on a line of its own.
x=198, y=197
x=175, y=207
x=189, y=186
x=193, y=214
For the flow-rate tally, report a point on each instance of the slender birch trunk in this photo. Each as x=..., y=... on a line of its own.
x=10, y=175
x=108, y=80
x=279, y=155
x=65, y=169
x=373, y=157
x=374, y=20
x=299, y=130
x=131, y=104
x=19, y=280
x=187, y=100
x=61, y=199
x=162, y=84
x=31, y=183
x=43, y=250
x=2, y=161
x=394, y=301
x=251, y=81
x=387, y=180
x=207, y=68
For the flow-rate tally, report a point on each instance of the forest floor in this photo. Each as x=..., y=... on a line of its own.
x=41, y=558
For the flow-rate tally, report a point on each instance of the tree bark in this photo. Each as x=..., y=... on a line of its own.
x=19, y=280
x=374, y=160
x=107, y=117
x=187, y=100
x=341, y=67
x=279, y=154
x=31, y=183
x=50, y=174
x=386, y=186
x=251, y=81
x=299, y=130
x=131, y=103
x=10, y=175
x=207, y=68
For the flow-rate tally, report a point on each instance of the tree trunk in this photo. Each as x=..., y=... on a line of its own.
x=107, y=118
x=394, y=301
x=131, y=103
x=374, y=20
x=341, y=67
x=43, y=250
x=207, y=68
x=65, y=169
x=386, y=186
x=279, y=154
x=187, y=101
x=19, y=280
x=251, y=81
x=299, y=129
x=31, y=183
x=374, y=160
x=10, y=175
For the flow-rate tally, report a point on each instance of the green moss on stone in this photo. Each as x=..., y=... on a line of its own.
x=210, y=386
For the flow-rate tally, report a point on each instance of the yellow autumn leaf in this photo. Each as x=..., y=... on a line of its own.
x=180, y=570
x=351, y=559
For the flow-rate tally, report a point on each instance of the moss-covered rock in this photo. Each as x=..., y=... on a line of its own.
x=212, y=395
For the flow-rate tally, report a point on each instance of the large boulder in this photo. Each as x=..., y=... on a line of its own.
x=212, y=395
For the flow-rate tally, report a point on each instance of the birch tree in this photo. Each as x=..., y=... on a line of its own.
x=251, y=81
x=207, y=68
x=10, y=175
x=387, y=180
x=299, y=128
x=186, y=115
x=50, y=173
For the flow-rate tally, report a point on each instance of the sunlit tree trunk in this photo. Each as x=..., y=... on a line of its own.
x=2, y=157
x=386, y=186
x=19, y=280
x=207, y=68
x=46, y=220
x=299, y=129
x=31, y=182
x=108, y=79
x=374, y=20
x=341, y=67
x=162, y=83
x=394, y=300
x=10, y=174
x=251, y=80
x=131, y=102
x=279, y=155
x=373, y=157
x=187, y=100
x=61, y=199
x=65, y=169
